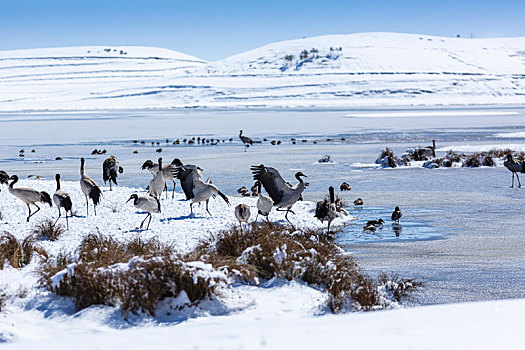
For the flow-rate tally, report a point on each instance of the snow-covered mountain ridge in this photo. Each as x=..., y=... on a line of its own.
x=332, y=71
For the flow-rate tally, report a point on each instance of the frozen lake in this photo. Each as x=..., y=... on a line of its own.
x=461, y=231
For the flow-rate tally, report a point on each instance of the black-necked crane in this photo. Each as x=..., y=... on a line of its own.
x=110, y=170
x=195, y=189
x=167, y=171
x=242, y=214
x=283, y=195
x=187, y=174
x=158, y=183
x=89, y=188
x=245, y=140
x=29, y=196
x=515, y=167
x=264, y=203
x=62, y=200
x=326, y=210
x=202, y=191
x=396, y=215
x=147, y=203
x=358, y=201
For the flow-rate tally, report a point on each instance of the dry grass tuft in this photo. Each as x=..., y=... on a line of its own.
x=47, y=230
x=10, y=251
x=111, y=273
x=265, y=251
x=18, y=254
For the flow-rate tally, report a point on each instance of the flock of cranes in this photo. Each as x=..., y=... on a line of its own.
x=281, y=194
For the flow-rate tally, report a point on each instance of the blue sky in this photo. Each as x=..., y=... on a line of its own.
x=217, y=29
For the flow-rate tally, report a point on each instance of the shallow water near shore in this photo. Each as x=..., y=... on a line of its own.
x=461, y=230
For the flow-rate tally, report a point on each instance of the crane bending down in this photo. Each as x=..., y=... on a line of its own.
x=167, y=171
x=89, y=188
x=110, y=170
x=62, y=200
x=326, y=209
x=29, y=196
x=515, y=168
x=246, y=140
x=146, y=203
x=283, y=195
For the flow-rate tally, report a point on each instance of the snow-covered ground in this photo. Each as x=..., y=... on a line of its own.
x=115, y=217
x=31, y=312
x=333, y=71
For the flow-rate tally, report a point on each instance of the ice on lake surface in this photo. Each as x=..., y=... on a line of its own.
x=475, y=216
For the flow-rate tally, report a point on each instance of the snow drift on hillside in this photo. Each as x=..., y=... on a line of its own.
x=325, y=71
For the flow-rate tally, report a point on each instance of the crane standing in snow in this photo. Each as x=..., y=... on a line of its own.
x=195, y=189
x=146, y=203
x=29, y=196
x=158, y=183
x=62, y=200
x=167, y=171
x=283, y=195
x=110, y=170
x=89, y=188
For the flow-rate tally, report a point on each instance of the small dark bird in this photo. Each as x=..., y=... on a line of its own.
x=358, y=201
x=396, y=215
x=62, y=200
x=515, y=168
x=110, y=170
x=379, y=222
x=345, y=187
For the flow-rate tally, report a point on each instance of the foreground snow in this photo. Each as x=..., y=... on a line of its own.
x=281, y=317
x=336, y=71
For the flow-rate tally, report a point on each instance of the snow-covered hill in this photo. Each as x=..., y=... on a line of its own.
x=84, y=77
x=325, y=71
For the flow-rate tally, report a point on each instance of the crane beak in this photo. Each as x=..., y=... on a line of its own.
x=130, y=198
